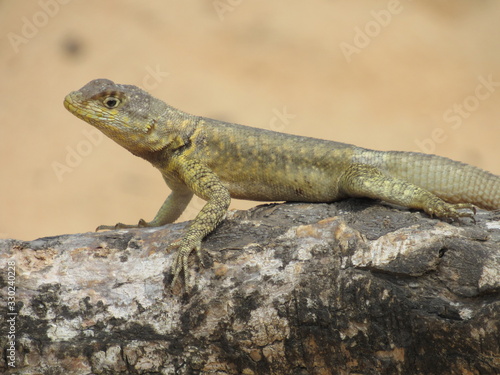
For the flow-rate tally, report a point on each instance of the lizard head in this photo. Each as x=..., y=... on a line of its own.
x=125, y=113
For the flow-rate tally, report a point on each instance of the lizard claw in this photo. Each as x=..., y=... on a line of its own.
x=180, y=264
x=453, y=211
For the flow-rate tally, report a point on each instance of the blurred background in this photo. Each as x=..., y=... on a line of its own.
x=390, y=75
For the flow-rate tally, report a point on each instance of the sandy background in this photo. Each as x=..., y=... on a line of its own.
x=379, y=74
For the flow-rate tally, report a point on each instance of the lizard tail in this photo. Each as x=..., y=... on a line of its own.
x=452, y=181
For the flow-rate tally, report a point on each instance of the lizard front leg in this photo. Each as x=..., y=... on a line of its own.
x=361, y=180
x=205, y=184
x=169, y=211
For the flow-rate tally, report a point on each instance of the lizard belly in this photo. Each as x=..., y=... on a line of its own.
x=282, y=186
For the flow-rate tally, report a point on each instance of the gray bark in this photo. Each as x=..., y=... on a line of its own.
x=352, y=287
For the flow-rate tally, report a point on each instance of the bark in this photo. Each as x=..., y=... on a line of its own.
x=353, y=287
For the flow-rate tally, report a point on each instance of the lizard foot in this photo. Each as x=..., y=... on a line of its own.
x=452, y=211
x=141, y=224
x=186, y=247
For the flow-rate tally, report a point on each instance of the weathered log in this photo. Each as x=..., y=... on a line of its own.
x=353, y=287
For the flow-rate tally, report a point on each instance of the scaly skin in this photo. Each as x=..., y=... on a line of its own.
x=217, y=160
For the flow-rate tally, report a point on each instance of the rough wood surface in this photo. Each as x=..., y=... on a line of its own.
x=348, y=288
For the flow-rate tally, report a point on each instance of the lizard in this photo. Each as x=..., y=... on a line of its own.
x=217, y=161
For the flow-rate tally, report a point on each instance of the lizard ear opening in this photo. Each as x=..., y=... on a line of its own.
x=111, y=102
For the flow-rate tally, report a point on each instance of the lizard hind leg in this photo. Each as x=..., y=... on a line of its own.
x=361, y=180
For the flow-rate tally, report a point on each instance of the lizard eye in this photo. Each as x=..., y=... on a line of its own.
x=111, y=102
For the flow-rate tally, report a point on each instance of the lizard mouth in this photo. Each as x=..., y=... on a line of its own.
x=73, y=105
x=69, y=103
